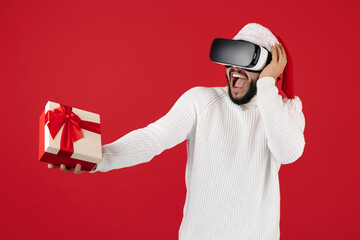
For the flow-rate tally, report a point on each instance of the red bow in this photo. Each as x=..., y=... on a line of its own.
x=63, y=115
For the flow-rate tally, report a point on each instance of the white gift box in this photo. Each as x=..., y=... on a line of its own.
x=87, y=150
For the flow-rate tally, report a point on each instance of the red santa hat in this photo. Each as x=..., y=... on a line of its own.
x=258, y=34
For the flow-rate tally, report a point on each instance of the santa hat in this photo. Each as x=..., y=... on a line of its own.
x=260, y=35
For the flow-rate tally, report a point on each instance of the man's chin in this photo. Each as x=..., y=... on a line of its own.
x=251, y=92
x=238, y=95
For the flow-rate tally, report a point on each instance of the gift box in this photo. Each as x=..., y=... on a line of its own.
x=69, y=136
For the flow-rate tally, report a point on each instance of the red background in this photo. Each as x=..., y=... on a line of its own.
x=130, y=62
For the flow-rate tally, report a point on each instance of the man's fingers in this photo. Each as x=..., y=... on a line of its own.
x=64, y=169
x=285, y=56
x=279, y=52
x=282, y=57
x=50, y=165
x=78, y=169
x=274, y=53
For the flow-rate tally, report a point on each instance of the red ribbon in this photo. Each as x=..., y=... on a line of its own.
x=63, y=115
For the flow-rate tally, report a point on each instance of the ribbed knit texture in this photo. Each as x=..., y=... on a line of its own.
x=234, y=153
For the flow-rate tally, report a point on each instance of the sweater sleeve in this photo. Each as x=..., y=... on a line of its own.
x=283, y=120
x=141, y=145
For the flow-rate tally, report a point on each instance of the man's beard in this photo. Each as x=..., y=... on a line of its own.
x=248, y=95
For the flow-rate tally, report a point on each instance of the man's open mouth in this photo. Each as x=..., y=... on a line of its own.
x=238, y=80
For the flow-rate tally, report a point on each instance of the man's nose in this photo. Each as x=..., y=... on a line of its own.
x=237, y=68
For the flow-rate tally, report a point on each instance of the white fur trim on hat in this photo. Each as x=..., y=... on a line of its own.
x=258, y=34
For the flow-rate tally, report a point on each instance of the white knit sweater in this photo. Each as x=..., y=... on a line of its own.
x=234, y=155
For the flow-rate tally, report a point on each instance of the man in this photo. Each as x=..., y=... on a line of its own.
x=237, y=138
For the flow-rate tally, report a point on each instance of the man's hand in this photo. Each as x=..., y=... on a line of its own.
x=277, y=64
x=77, y=169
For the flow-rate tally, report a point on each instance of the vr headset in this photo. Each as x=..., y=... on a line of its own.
x=240, y=53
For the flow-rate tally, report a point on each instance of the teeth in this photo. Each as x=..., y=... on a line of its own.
x=237, y=75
